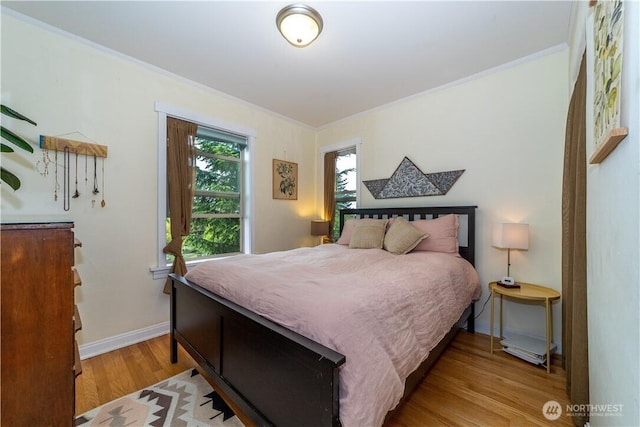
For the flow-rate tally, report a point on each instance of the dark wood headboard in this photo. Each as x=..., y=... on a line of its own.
x=466, y=214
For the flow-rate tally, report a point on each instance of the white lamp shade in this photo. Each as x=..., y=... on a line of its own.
x=299, y=24
x=511, y=236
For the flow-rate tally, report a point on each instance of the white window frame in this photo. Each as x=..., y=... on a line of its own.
x=162, y=268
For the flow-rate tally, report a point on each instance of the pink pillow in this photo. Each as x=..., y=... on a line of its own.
x=347, y=232
x=443, y=234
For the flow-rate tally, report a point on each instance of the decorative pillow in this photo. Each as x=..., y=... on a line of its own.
x=402, y=237
x=368, y=234
x=443, y=234
x=347, y=231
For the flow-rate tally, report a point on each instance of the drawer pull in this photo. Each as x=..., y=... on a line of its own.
x=77, y=281
x=77, y=322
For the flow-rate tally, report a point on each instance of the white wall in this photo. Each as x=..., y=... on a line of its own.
x=613, y=255
x=68, y=86
x=506, y=128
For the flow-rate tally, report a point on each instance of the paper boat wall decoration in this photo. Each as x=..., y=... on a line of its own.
x=409, y=181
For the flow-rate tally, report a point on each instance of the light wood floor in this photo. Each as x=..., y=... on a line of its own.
x=115, y=374
x=468, y=386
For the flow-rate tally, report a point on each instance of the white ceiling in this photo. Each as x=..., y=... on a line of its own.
x=370, y=53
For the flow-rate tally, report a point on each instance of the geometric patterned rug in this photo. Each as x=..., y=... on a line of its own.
x=184, y=400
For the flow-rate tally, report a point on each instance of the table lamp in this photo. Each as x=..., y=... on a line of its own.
x=510, y=236
x=320, y=227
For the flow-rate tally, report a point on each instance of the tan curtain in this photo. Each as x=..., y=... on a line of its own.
x=330, y=191
x=180, y=185
x=574, y=250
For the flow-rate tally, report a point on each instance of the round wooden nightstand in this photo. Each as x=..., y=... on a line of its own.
x=527, y=291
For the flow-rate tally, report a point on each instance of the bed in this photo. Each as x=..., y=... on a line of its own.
x=291, y=376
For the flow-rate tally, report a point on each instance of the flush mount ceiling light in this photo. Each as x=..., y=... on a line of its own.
x=299, y=24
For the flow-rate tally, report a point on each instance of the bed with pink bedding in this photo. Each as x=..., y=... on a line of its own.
x=328, y=335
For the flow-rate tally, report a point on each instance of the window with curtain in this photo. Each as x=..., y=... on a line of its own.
x=346, y=183
x=217, y=213
x=221, y=208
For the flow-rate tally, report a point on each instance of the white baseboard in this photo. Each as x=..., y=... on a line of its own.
x=128, y=338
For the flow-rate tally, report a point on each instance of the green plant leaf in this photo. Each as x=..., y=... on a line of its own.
x=5, y=148
x=13, y=113
x=16, y=139
x=11, y=180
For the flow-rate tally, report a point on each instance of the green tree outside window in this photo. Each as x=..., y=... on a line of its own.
x=217, y=203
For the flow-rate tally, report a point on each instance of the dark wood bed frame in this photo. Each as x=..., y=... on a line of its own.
x=269, y=374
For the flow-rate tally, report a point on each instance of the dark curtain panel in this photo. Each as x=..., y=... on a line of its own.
x=330, y=192
x=181, y=186
x=574, y=250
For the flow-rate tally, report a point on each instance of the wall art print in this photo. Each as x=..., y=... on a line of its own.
x=608, y=19
x=285, y=180
x=409, y=181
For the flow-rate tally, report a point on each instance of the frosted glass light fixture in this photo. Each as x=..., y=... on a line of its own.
x=299, y=24
x=510, y=236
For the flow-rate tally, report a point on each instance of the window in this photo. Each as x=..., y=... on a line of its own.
x=346, y=183
x=347, y=189
x=216, y=222
x=222, y=209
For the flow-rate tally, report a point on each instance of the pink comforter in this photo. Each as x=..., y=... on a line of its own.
x=384, y=312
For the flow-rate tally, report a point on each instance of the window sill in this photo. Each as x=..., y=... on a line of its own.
x=162, y=272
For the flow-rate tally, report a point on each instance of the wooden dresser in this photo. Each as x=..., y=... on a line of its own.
x=39, y=320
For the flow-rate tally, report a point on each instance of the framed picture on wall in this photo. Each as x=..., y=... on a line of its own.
x=605, y=47
x=285, y=180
